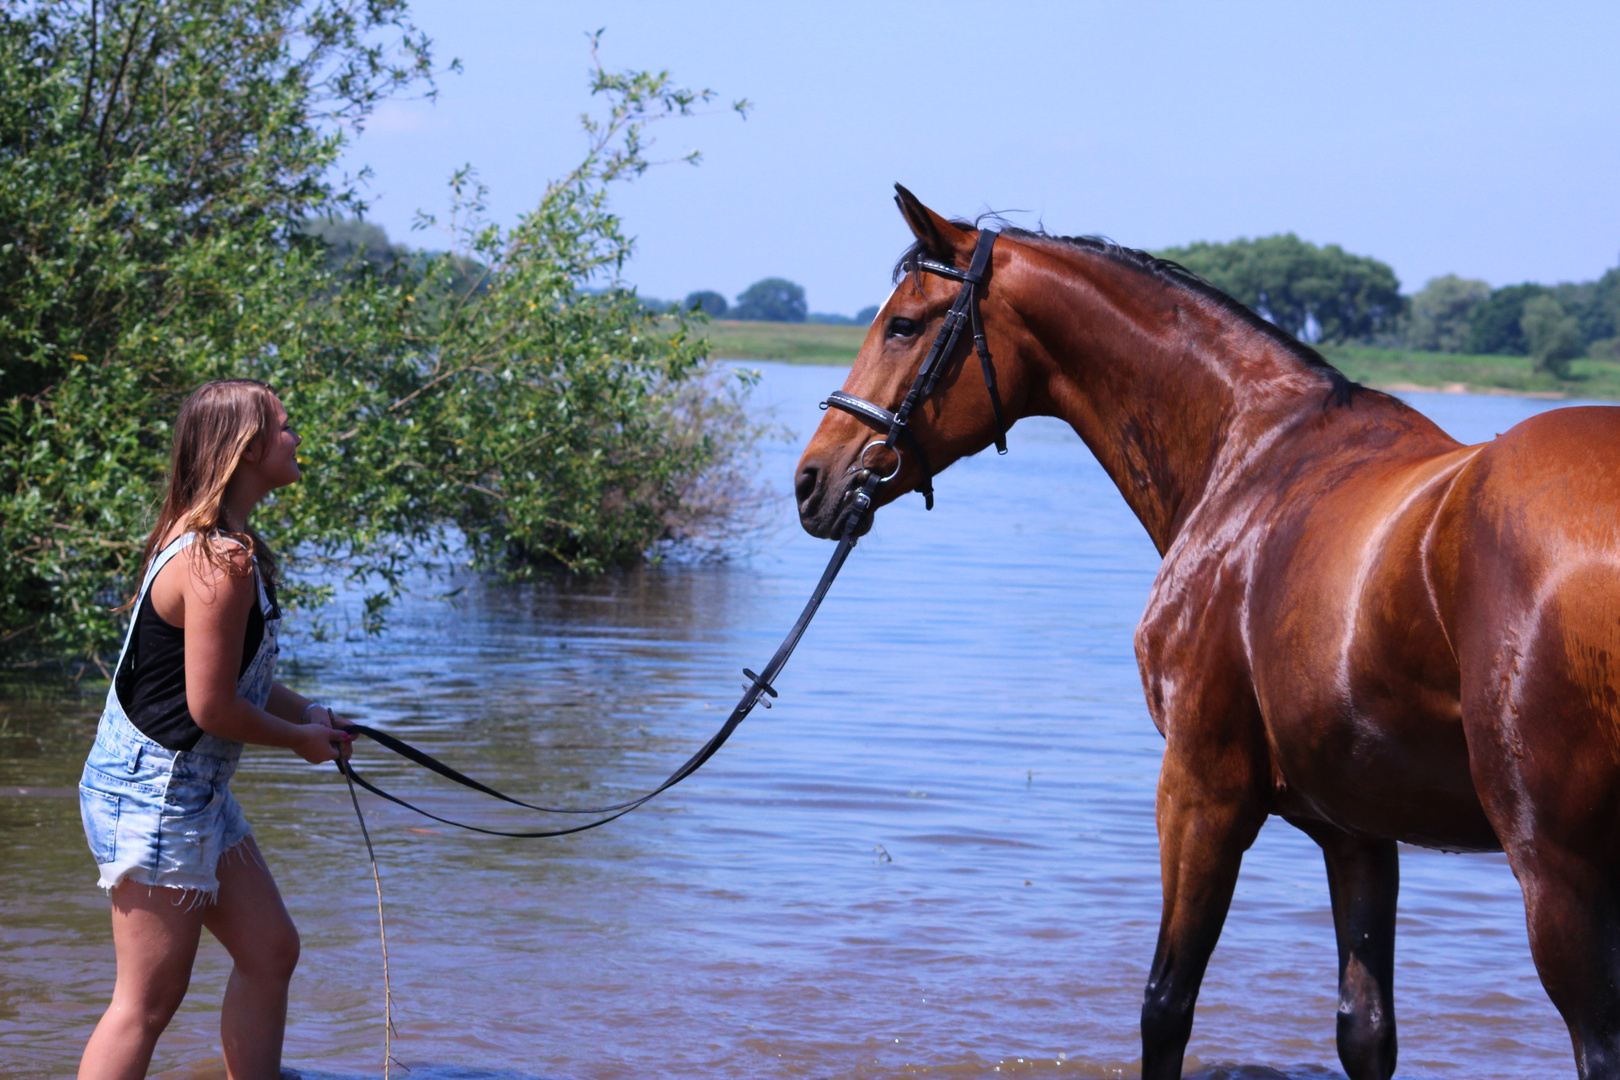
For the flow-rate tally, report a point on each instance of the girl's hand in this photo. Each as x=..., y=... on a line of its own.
x=317, y=743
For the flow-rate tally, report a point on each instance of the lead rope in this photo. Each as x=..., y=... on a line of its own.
x=382, y=929
x=759, y=688
x=963, y=314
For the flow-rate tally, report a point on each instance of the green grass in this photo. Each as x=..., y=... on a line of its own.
x=1451, y=371
x=793, y=343
x=815, y=343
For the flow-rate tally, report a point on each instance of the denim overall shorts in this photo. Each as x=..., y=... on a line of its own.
x=165, y=817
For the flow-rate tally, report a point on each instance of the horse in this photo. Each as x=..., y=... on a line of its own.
x=1359, y=625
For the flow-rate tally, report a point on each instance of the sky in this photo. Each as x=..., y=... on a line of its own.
x=1480, y=138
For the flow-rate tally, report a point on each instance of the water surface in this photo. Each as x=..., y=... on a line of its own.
x=934, y=857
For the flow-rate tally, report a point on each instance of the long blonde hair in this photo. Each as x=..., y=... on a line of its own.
x=216, y=426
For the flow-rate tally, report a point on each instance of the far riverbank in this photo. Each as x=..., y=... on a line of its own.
x=1387, y=369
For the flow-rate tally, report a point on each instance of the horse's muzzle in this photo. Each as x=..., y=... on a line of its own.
x=823, y=509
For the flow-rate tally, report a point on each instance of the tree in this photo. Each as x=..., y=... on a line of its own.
x=1441, y=310
x=865, y=316
x=707, y=301
x=1314, y=293
x=772, y=300
x=160, y=164
x=1553, y=337
x=1495, y=327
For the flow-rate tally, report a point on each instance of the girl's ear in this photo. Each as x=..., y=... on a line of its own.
x=255, y=450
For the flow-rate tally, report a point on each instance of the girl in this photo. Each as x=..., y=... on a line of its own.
x=193, y=683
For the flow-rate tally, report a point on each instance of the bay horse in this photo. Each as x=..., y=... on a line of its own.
x=1360, y=625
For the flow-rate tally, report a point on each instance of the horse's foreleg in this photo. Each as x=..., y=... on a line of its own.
x=1363, y=879
x=1208, y=816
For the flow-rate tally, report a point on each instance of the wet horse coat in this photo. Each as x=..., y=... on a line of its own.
x=1359, y=625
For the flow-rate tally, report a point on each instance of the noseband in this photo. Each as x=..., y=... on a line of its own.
x=895, y=425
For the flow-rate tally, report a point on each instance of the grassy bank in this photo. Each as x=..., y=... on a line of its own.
x=813, y=343
x=794, y=343
x=1476, y=374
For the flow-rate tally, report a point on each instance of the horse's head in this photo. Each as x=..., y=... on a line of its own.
x=956, y=419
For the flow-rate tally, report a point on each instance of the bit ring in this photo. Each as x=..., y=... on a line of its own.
x=898, y=459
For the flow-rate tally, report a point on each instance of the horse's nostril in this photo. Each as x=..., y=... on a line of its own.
x=805, y=489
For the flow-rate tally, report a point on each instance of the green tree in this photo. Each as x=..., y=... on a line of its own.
x=772, y=300
x=1441, y=310
x=707, y=301
x=1553, y=337
x=160, y=163
x=350, y=241
x=1314, y=293
x=1495, y=326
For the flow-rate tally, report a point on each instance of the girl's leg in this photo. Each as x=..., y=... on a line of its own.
x=155, y=932
x=250, y=920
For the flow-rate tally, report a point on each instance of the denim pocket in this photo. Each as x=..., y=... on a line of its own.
x=100, y=813
x=150, y=782
x=187, y=796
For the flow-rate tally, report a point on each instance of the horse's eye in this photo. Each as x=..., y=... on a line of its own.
x=899, y=326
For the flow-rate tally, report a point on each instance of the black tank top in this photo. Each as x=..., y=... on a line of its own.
x=151, y=681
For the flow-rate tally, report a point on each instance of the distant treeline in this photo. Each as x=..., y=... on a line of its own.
x=1327, y=295
x=1319, y=294
x=767, y=300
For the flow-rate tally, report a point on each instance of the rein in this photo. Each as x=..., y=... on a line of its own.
x=964, y=310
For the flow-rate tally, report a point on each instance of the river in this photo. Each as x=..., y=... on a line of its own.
x=935, y=856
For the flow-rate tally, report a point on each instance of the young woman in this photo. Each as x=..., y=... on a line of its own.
x=193, y=683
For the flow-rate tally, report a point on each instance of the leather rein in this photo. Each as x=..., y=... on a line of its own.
x=963, y=312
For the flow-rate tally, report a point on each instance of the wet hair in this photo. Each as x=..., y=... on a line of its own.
x=217, y=425
x=1340, y=388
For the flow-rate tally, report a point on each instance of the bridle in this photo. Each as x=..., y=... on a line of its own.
x=896, y=424
x=964, y=310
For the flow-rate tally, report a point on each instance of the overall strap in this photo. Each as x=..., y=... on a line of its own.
x=265, y=607
x=159, y=561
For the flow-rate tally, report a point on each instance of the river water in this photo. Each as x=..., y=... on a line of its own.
x=935, y=856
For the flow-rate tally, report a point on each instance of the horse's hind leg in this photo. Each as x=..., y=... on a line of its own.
x=1574, y=920
x=1545, y=751
x=1363, y=879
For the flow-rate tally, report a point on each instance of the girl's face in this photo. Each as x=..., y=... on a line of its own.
x=275, y=455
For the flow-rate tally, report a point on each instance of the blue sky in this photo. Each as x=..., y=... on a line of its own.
x=1479, y=138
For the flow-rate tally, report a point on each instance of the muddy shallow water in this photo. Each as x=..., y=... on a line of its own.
x=934, y=857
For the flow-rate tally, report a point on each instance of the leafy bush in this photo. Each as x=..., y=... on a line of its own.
x=159, y=168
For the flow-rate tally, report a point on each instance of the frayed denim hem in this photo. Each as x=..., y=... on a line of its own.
x=189, y=896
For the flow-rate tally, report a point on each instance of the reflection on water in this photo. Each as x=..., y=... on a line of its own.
x=934, y=857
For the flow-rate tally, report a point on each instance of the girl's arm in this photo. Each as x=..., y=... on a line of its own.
x=216, y=607
x=296, y=708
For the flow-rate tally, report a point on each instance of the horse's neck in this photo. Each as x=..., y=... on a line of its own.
x=1165, y=389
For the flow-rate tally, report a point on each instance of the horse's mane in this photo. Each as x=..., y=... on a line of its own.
x=1340, y=388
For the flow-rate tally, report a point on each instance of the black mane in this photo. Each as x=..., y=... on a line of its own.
x=1340, y=388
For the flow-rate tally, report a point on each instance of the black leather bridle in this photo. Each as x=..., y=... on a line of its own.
x=964, y=310
x=896, y=424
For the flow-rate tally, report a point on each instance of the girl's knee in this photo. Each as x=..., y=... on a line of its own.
x=149, y=1007
x=273, y=955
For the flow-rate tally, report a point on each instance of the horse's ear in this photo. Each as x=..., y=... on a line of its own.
x=940, y=237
